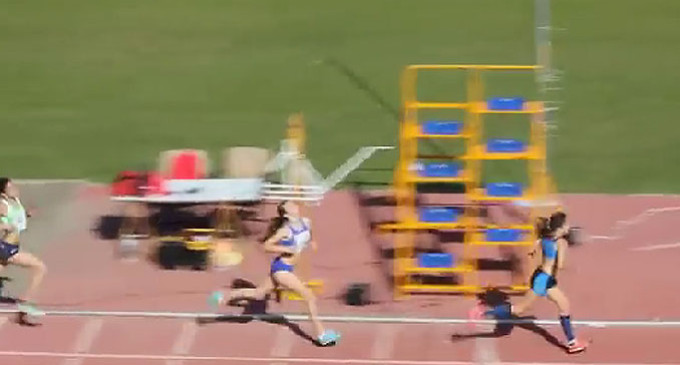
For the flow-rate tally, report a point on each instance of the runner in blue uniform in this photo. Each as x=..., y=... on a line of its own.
x=552, y=244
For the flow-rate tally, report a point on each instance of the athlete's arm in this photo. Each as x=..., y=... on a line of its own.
x=7, y=227
x=270, y=245
x=4, y=226
x=312, y=241
x=561, y=252
x=535, y=248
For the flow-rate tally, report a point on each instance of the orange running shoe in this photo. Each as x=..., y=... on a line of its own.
x=475, y=313
x=576, y=346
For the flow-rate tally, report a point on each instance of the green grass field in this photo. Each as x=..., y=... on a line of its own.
x=88, y=88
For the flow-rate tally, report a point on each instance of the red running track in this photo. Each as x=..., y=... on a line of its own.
x=608, y=278
x=131, y=341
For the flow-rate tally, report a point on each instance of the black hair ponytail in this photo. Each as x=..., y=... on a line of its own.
x=543, y=228
x=557, y=220
x=4, y=181
x=277, y=222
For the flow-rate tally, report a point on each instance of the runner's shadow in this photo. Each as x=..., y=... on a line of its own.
x=256, y=310
x=5, y=299
x=505, y=329
x=492, y=298
x=24, y=321
x=8, y=300
x=21, y=319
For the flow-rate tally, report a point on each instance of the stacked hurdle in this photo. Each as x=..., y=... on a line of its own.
x=414, y=169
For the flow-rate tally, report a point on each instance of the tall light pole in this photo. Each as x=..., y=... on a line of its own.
x=548, y=77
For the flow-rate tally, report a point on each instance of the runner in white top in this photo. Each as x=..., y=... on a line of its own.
x=288, y=235
x=13, y=219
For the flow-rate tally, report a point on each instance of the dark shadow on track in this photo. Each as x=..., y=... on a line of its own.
x=492, y=298
x=256, y=310
x=5, y=299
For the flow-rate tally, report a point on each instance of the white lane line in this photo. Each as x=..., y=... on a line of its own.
x=360, y=319
x=656, y=247
x=231, y=359
x=183, y=342
x=283, y=344
x=383, y=345
x=620, y=228
x=486, y=349
x=84, y=341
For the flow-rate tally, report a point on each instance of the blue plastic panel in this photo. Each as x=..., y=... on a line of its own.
x=439, y=169
x=435, y=260
x=503, y=235
x=446, y=128
x=504, y=189
x=505, y=103
x=498, y=145
x=438, y=214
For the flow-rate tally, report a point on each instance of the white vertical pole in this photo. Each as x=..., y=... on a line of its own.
x=542, y=40
x=547, y=75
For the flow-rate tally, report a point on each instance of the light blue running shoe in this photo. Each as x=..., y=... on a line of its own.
x=216, y=299
x=328, y=337
x=30, y=310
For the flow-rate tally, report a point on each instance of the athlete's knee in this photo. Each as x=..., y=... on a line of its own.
x=564, y=307
x=517, y=309
x=561, y=301
x=39, y=268
x=308, y=295
x=260, y=293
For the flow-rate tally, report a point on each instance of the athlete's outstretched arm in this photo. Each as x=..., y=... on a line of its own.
x=270, y=245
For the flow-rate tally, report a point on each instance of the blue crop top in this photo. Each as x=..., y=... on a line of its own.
x=549, y=247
